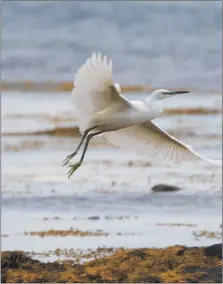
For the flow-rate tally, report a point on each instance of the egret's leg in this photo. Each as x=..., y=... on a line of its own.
x=69, y=157
x=77, y=165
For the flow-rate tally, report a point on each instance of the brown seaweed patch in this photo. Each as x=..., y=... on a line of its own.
x=50, y=86
x=174, y=264
x=122, y=217
x=67, y=86
x=53, y=218
x=72, y=232
x=198, y=110
x=136, y=163
x=176, y=224
x=61, y=131
x=57, y=131
x=93, y=218
x=65, y=233
x=207, y=234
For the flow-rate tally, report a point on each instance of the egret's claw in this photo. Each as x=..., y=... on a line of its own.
x=73, y=169
x=68, y=158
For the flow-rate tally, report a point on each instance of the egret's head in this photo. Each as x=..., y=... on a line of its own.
x=161, y=94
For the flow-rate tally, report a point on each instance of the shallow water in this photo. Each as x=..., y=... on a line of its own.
x=111, y=183
x=163, y=44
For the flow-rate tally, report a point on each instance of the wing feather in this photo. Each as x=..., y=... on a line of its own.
x=94, y=88
x=148, y=139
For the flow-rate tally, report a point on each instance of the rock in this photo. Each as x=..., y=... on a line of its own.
x=94, y=218
x=214, y=250
x=164, y=188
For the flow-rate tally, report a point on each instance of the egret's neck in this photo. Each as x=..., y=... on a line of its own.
x=153, y=100
x=153, y=103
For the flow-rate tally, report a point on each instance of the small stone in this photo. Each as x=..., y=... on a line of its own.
x=94, y=218
x=164, y=188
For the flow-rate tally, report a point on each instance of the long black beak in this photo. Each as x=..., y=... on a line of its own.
x=178, y=92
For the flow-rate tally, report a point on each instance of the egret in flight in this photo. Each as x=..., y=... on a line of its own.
x=129, y=124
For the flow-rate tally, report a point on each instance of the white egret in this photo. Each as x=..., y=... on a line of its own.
x=102, y=109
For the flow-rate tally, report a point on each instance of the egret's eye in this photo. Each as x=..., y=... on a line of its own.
x=165, y=93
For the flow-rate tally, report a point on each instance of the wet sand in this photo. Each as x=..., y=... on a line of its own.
x=170, y=265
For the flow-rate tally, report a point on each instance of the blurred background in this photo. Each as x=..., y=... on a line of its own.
x=168, y=43
x=164, y=44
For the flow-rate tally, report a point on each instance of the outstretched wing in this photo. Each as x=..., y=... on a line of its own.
x=94, y=88
x=151, y=141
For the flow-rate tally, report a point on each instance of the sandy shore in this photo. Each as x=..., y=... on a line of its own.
x=169, y=265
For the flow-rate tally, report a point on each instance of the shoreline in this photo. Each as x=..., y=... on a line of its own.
x=169, y=265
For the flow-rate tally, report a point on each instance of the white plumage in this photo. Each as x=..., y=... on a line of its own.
x=94, y=89
x=127, y=124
